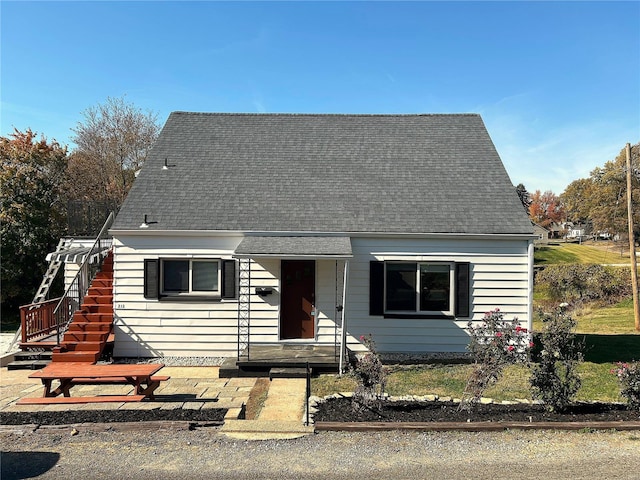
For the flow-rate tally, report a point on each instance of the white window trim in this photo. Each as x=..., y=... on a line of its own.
x=209, y=293
x=417, y=311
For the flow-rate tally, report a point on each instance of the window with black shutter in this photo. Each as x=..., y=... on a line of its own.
x=403, y=289
x=176, y=278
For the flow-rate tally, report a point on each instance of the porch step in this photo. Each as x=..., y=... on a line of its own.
x=99, y=291
x=95, y=327
x=80, y=357
x=284, y=372
x=27, y=364
x=264, y=429
x=105, y=282
x=73, y=337
x=31, y=356
x=82, y=346
x=98, y=299
x=37, y=347
x=30, y=360
x=99, y=308
x=230, y=369
x=85, y=317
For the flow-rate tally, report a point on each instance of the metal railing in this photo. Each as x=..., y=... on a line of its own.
x=76, y=291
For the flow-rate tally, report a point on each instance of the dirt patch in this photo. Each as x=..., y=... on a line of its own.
x=106, y=416
x=257, y=396
x=340, y=410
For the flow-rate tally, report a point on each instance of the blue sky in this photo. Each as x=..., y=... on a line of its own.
x=557, y=83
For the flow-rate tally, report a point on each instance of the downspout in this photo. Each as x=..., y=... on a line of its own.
x=343, y=333
x=530, y=289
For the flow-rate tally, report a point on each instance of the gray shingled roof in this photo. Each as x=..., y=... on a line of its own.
x=325, y=173
x=328, y=246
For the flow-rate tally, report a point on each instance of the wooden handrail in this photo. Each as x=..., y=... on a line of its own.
x=38, y=319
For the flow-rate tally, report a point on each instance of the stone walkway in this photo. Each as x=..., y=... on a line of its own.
x=193, y=388
x=280, y=417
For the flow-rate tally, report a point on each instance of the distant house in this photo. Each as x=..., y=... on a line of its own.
x=298, y=229
x=575, y=230
x=541, y=233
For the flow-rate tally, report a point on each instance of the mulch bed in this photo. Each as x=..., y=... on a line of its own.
x=108, y=416
x=340, y=410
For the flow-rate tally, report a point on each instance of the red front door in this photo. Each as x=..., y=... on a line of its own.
x=297, y=299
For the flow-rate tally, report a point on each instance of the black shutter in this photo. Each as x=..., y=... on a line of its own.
x=376, y=288
x=151, y=278
x=462, y=289
x=228, y=279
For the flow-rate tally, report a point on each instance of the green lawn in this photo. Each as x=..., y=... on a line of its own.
x=611, y=320
x=608, y=253
x=598, y=383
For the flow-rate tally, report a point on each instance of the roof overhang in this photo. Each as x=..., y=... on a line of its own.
x=330, y=247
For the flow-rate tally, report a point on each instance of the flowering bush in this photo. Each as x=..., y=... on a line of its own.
x=370, y=376
x=554, y=379
x=495, y=343
x=629, y=376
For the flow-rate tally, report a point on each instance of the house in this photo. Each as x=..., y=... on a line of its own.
x=305, y=229
x=541, y=233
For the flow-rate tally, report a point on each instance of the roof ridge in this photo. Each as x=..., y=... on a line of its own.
x=290, y=114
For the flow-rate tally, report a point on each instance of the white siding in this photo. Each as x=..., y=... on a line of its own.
x=149, y=328
x=146, y=328
x=499, y=278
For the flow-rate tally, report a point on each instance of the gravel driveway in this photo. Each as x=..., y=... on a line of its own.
x=204, y=454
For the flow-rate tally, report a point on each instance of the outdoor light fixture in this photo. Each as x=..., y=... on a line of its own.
x=145, y=223
x=167, y=165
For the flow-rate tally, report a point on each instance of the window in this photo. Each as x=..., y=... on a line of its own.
x=419, y=289
x=174, y=278
x=189, y=276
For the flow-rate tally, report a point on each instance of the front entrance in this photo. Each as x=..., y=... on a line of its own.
x=297, y=299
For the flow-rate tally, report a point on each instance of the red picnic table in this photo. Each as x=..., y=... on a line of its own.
x=141, y=376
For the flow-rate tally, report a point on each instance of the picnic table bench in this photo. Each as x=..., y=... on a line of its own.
x=141, y=376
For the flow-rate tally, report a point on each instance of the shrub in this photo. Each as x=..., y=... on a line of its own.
x=629, y=376
x=370, y=376
x=495, y=343
x=584, y=282
x=554, y=379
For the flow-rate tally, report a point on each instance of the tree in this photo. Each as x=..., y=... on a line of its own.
x=113, y=141
x=546, y=208
x=578, y=200
x=31, y=212
x=601, y=198
x=524, y=196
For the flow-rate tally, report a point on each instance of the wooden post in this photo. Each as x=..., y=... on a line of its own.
x=632, y=245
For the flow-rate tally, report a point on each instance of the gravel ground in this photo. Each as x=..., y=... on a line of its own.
x=205, y=454
x=174, y=361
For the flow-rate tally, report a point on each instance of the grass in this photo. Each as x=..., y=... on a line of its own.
x=598, y=383
x=615, y=319
x=605, y=253
x=257, y=397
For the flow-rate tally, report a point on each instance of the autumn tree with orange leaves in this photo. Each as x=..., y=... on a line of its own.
x=546, y=208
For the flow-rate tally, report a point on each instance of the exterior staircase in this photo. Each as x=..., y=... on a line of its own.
x=92, y=325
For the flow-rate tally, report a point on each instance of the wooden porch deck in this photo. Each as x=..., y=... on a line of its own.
x=263, y=358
